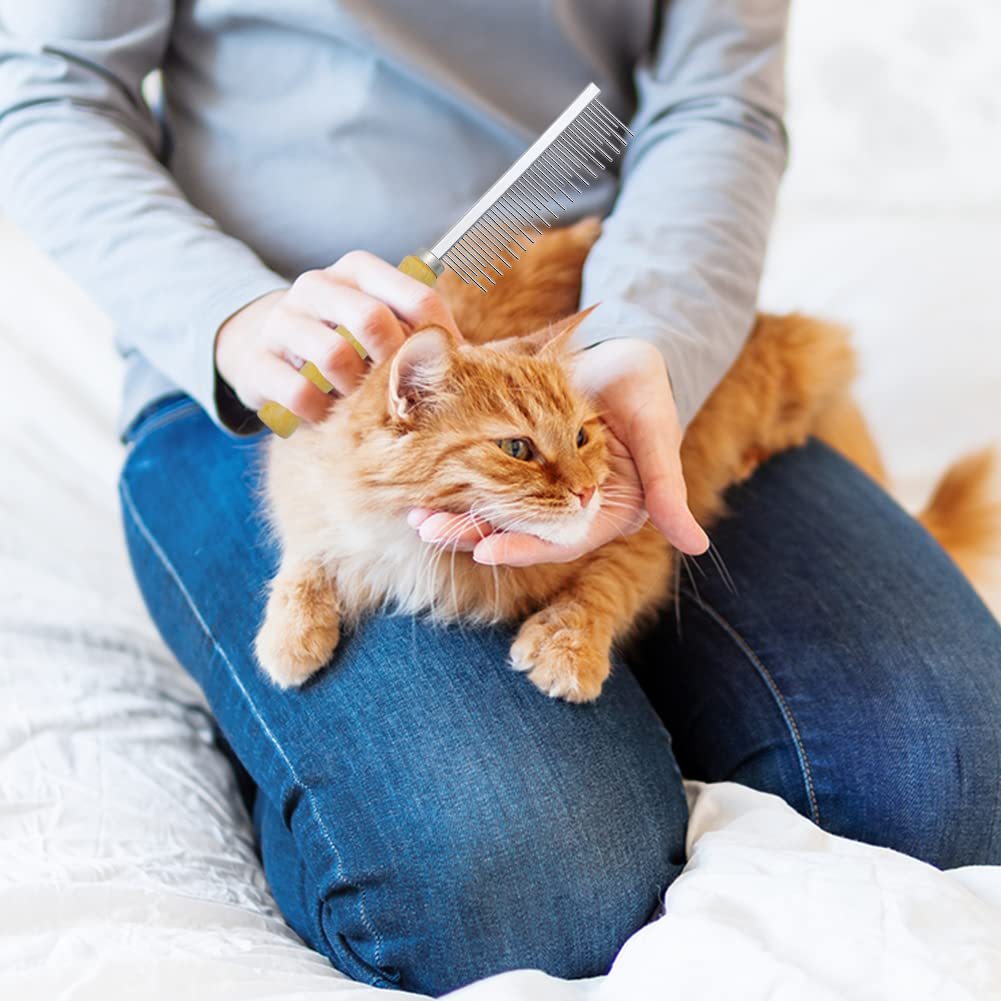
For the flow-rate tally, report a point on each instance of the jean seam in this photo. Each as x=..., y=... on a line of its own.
x=298, y=783
x=175, y=413
x=787, y=715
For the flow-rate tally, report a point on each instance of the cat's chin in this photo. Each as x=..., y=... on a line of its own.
x=567, y=531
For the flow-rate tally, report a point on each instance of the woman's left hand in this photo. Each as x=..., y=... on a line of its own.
x=628, y=380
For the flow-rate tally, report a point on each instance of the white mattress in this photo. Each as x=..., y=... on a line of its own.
x=126, y=861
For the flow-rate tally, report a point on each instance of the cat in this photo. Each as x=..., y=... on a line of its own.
x=442, y=425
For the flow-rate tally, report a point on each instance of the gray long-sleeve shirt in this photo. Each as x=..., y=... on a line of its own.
x=290, y=133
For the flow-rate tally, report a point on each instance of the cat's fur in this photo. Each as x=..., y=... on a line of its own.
x=421, y=431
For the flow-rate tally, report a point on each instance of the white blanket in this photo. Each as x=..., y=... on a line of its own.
x=126, y=861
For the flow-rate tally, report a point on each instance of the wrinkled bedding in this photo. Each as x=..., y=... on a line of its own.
x=127, y=867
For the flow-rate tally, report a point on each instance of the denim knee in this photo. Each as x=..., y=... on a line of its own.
x=558, y=887
x=926, y=778
x=556, y=883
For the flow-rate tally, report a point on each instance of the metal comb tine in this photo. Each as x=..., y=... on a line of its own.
x=448, y=264
x=529, y=201
x=525, y=206
x=497, y=250
x=505, y=228
x=601, y=129
x=561, y=172
x=555, y=196
x=519, y=203
x=589, y=142
x=550, y=178
x=556, y=181
x=546, y=193
x=562, y=169
x=590, y=113
x=499, y=237
x=594, y=146
x=569, y=159
x=482, y=257
x=486, y=250
x=593, y=124
x=510, y=218
x=485, y=255
x=504, y=208
x=570, y=152
x=471, y=261
x=501, y=216
x=582, y=145
x=598, y=106
x=538, y=194
x=465, y=271
x=534, y=191
x=456, y=266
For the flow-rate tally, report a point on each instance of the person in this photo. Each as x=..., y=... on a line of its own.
x=425, y=817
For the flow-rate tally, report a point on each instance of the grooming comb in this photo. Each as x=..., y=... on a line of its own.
x=565, y=158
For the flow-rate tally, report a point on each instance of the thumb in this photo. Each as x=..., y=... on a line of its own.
x=655, y=451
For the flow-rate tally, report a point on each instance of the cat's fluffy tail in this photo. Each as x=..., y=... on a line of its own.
x=964, y=513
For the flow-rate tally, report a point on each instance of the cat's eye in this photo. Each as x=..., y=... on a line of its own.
x=581, y=438
x=517, y=448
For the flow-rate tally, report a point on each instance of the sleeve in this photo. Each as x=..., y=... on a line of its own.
x=79, y=173
x=680, y=256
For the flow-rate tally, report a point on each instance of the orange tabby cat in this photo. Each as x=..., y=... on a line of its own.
x=437, y=426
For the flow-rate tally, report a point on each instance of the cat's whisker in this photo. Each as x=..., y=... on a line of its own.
x=625, y=504
x=449, y=543
x=678, y=596
x=435, y=553
x=481, y=515
x=636, y=499
x=691, y=577
x=717, y=557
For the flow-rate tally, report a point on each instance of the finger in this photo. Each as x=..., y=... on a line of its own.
x=408, y=298
x=279, y=381
x=516, y=550
x=461, y=531
x=416, y=516
x=658, y=462
x=315, y=341
x=371, y=322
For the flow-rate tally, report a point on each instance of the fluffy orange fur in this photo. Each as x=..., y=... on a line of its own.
x=422, y=431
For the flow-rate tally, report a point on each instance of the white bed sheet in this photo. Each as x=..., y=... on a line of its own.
x=126, y=861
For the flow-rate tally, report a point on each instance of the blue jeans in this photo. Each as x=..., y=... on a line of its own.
x=427, y=818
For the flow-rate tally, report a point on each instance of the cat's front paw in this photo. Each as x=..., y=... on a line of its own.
x=301, y=630
x=563, y=653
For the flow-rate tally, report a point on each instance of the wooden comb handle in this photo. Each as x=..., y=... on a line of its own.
x=282, y=421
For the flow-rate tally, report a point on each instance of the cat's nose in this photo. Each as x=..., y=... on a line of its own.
x=585, y=495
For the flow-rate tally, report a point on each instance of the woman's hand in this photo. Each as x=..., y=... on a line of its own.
x=628, y=381
x=259, y=349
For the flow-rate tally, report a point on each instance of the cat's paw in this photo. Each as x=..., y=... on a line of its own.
x=562, y=653
x=300, y=633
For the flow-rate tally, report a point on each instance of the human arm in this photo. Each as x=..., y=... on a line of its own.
x=80, y=172
x=680, y=256
x=678, y=262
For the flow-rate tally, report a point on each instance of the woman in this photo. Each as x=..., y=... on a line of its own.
x=425, y=817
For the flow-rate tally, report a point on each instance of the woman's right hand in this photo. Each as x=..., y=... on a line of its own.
x=259, y=348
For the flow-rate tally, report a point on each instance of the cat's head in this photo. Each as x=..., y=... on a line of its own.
x=497, y=429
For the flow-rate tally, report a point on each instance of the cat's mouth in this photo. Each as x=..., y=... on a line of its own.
x=561, y=529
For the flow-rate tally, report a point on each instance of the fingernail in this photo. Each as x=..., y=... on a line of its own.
x=431, y=527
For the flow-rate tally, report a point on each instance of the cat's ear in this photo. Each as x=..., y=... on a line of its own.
x=554, y=340
x=418, y=370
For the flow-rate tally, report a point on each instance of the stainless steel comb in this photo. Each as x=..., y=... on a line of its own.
x=565, y=158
